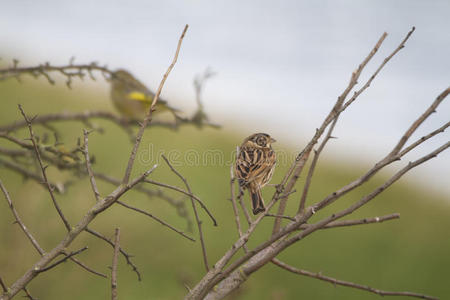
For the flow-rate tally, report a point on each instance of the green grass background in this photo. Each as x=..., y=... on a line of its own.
x=407, y=254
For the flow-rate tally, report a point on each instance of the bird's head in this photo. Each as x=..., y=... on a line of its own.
x=261, y=140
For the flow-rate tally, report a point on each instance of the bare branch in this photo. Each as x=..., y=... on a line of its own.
x=314, y=163
x=235, y=279
x=156, y=219
x=32, y=239
x=5, y=289
x=419, y=121
x=342, y=106
x=390, y=158
x=280, y=217
x=385, y=61
x=40, y=270
x=219, y=281
x=179, y=205
x=194, y=208
x=60, y=187
x=84, y=266
x=99, y=207
x=148, y=116
x=114, y=265
x=313, y=227
x=25, y=172
x=356, y=222
x=57, y=159
x=244, y=207
x=282, y=192
x=186, y=193
x=200, y=118
x=44, y=175
x=125, y=254
x=87, y=116
x=95, y=210
x=85, y=151
x=424, y=138
x=345, y=222
x=28, y=295
x=335, y=281
x=297, y=166
x=19, y=220
x=234, y=204
x=13, y=152
x=68, y=71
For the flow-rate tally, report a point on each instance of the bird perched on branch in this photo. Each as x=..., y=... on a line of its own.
x=254, y=167
x=133, y=99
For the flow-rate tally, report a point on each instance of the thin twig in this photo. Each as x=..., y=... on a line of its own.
x=200, y=118
x=86, y=117
x=68, y=71
x=281, y=217
x=179, y=205
x=156, y=219
x=283, y=192
x=219, y=281
x=335, y=281
x=32, y=239
x=28, y=295
x=13, y=152
x=19, y=221
x=60, y=187
x=55, y=160
x=297, y=166
x=26, y=173
x=186, y=193
x=114, y=265
x=89, y=166
x=87, y=268
x=44, y=175
x=125, y=254
x=314, y=163
x=194, y=208
x=364, y=200
x=394, y=155
x=385, y=61
x=5, y=289
x=300, y=219
x=424, y=138
x=419, y=121
x=234, y=205
x=345, y=222
x=148, y=116
x=75, y=231
x=244, y=207
x=61, y=260
x=364, y=221
x=331, y=128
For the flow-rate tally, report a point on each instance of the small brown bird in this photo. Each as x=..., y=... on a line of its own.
x=254, y=167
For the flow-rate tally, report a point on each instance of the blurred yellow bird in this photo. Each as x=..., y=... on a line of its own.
x=132, y=98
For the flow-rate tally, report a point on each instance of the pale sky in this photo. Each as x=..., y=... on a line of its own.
x=288, y=59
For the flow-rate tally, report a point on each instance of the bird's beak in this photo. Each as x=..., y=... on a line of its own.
x=272, y=140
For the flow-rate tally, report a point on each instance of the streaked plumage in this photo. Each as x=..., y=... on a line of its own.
x=132, y=98
x=254, y=167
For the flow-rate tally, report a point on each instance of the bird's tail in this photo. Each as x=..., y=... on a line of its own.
x=257, y=200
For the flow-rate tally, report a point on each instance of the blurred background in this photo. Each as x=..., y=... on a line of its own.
x=279, y=68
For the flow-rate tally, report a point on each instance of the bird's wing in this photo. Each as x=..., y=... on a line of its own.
x=251, y=163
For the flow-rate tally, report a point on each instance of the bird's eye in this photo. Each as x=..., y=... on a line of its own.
x=261, y=141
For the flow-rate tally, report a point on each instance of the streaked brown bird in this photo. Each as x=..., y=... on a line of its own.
x=254, y=167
